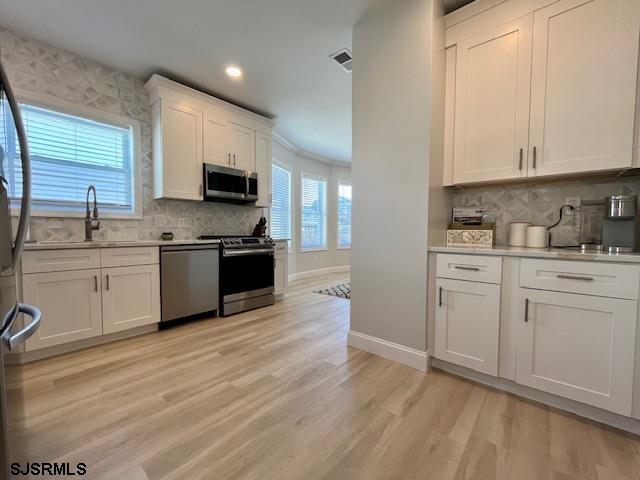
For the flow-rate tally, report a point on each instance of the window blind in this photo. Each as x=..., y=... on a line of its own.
x=344, y=215
x=280, y=203
x=69, y=153
x=314, y=213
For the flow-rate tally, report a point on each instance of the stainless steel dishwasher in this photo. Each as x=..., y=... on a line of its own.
x=189, y=278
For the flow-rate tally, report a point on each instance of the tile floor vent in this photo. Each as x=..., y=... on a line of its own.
x=344, y=59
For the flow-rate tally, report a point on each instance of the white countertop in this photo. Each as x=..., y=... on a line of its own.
x=557, y=253
x=113, y=244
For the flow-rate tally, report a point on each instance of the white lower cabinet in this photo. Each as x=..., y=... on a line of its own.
x=578, y=347
x=70, y=303
x=78, y=302
x=281, y=267
x=130, y=297
x=467, y=324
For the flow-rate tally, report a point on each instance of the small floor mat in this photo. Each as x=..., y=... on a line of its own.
x=342, y=290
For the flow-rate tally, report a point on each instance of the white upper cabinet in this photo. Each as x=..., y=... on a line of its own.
x=263, y=169
x=585, y=58
x=191, y=128
x=492, y=104
x=216, y=134
x=243, y=147
x=549, y=93
x=177, y=151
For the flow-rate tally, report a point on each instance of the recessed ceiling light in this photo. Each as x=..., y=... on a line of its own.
x=234, y=72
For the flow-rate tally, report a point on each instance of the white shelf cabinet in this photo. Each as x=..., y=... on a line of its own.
x=281, y=266
x=585, y=61
x=84, y=293
x=242, y=146
x=467, y=324
x=130, y=297
x=177, y=151
x=70, y=302
x=578, y=347
x=191, y=128
x=492, y=104
x=549, y=93
x=263, y=168
x=215, y=135
x=563, y=327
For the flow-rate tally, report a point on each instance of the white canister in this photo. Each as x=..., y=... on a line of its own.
x=518, y=233
x=536, y=236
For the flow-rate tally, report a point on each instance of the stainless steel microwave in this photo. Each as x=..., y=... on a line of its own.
x=224, y=184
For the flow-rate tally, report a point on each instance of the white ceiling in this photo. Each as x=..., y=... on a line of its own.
x=283, y=46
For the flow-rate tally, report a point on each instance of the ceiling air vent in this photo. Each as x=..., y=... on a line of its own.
x=344, y=58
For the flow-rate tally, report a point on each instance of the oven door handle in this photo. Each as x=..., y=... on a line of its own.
x=247, y=251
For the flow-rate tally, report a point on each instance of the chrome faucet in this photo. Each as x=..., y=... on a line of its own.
x=91, y=223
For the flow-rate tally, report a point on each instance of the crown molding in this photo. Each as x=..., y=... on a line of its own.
x=284, y=142
x=305, y=153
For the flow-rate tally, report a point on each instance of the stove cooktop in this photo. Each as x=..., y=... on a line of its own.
x=220, y=237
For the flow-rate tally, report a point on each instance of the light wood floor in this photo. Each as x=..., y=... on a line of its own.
x=276, y=394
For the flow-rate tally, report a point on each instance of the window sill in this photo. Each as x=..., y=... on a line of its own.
x=344, y=248
x=310, y=250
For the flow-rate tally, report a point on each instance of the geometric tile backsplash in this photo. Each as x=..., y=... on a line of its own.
x=539, y=203
x=40, y=68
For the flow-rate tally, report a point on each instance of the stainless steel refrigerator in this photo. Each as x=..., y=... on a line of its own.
x=18, y=321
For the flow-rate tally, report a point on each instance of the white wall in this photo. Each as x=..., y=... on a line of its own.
x=390, y=172
x=332, y=257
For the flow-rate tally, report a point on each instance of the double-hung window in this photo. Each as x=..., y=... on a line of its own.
x=281, y=202
x=313, y=213
x=344, y=215
x=69, y=152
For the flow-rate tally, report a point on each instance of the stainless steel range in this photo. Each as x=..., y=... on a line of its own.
x=246, y=273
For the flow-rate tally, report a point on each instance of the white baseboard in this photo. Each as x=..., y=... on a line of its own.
x=320, y=271
x=393, y=351
x=602, y=416
x=42, y=353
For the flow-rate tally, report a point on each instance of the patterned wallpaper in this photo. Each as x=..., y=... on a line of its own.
x=43, y=69
x=539, y=203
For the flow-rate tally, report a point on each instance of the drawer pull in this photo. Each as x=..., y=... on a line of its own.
x=575, y=277
x=440, y=297
x=471, y=269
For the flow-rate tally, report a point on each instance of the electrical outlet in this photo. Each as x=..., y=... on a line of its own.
x=575, y=202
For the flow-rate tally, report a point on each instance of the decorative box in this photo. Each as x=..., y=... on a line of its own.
x=471, y=236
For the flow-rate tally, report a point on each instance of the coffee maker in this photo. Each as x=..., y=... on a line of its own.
x=620, y=225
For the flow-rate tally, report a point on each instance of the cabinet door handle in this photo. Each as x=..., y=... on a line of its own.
x=526, y=310
x=575, y=277
x=229, y=158
x=234, y=159
x=471, y=269
x=107, y=282
x=535, y=156
x=200, y=190
x=520, y=159
x=95, y=283
x=440, y=297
